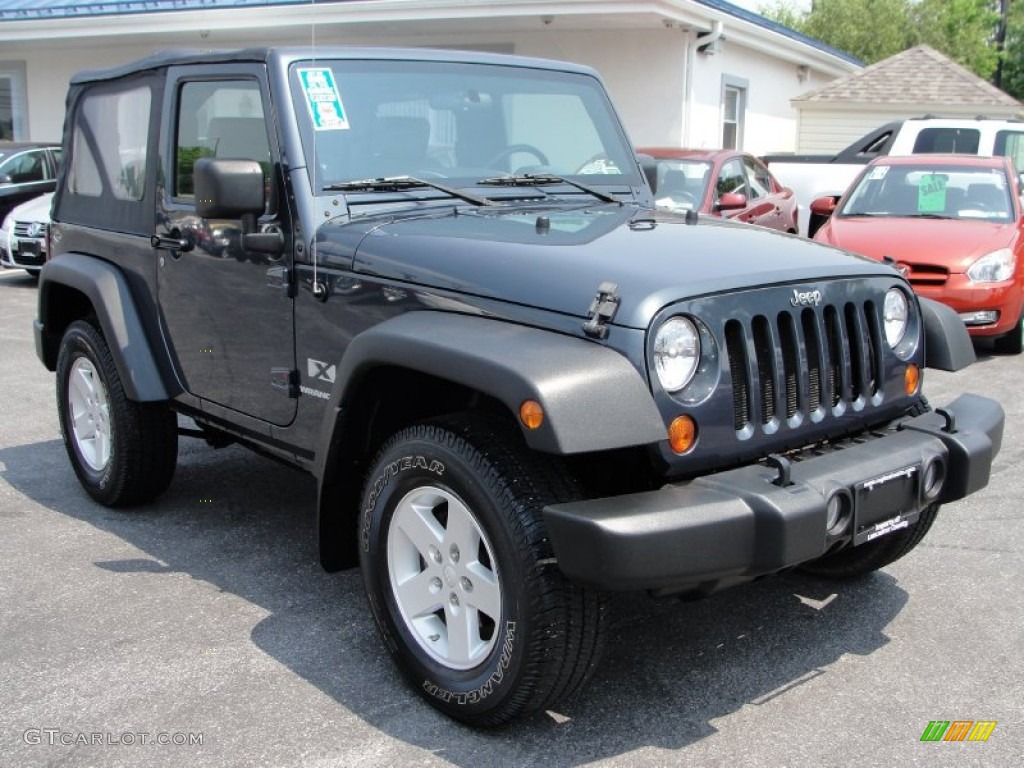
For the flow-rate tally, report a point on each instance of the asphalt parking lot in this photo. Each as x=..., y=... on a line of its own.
x=203, y=622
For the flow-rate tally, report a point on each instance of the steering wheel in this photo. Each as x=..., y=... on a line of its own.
x=680, y=199
x=510, y=150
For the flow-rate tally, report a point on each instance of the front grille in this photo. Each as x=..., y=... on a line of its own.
x=21, y=228
x=927, y=274
x=800, y=361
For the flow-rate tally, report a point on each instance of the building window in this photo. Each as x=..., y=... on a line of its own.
x=12, y=101
x=733, y=108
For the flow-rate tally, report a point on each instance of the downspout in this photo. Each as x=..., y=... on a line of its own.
x=689, y=60
x=705, y=39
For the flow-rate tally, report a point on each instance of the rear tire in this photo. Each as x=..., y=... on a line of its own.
x=854, y=562
x=123, y=452
x=460, y=574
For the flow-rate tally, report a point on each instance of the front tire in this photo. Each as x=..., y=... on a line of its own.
x=1011, y=343
x=854, y=562
x=123, y=452
x=460, y=574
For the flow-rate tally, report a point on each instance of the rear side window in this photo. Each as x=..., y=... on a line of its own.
x=962, y=141
x=109, y=145
x=1011, y=144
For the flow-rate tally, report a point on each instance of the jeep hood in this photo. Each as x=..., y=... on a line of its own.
x=555, y=259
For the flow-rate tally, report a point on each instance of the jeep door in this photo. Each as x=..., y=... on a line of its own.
x=231, y=332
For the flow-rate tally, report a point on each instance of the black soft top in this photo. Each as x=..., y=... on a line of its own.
x=286, y=55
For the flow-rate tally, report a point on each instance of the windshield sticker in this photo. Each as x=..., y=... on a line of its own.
x=878, y=173
x=931, y=193
x=323, y=99
x=599, y=165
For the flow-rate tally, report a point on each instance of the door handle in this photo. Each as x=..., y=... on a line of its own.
x=174, y=243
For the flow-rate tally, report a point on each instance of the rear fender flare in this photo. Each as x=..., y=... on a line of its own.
x=107, y=290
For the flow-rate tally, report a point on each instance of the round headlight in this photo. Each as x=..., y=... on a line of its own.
x=676, y=353
x=895, y=316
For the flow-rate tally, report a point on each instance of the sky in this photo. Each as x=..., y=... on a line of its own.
x=756, y=5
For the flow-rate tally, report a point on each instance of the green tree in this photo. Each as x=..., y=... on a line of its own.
x=871, y=30
x=964, y=30
x=1013, y=52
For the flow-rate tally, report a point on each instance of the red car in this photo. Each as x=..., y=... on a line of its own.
x=951, y=224
x=723, y=182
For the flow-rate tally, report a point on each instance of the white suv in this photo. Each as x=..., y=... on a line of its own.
x=23, y=236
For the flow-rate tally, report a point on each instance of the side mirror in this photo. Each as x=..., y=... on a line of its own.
x=731, y=201
x=229, y=189
x=5, y=178
x=824, y=206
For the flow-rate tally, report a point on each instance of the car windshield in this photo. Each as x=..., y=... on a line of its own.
x=456, y=123
x=931, y=191
x=681, y=184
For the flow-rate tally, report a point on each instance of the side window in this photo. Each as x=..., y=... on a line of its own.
x=109, y=144
x=758, y=180
x=218, y=119
x=960, y=140
x=25, y=167
x=730, y=179
x=1011, y=144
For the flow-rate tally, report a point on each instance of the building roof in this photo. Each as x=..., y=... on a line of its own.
x=918, y=75
x=773, y=26
x=34, y=10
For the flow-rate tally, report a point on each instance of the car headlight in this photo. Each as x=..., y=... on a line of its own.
x=993, y=267
x=676, y=353
x=8, y=223
x=895, y=316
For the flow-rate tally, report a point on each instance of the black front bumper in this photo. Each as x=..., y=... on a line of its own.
x=737, y=525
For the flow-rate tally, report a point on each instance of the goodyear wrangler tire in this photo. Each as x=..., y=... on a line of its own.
x=123, y=452
x=854, y=562
x=460, y=575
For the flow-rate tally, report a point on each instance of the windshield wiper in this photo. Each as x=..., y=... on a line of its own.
x=540, y=179
x=393, y=183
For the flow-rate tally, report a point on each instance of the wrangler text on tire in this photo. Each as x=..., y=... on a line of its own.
x=460, y=575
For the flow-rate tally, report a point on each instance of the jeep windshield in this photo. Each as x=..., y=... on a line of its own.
x=457, y=124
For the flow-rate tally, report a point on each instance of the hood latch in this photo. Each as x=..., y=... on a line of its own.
x=602, y=311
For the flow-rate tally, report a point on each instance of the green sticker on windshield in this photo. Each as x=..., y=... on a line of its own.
x=931, y=193
x=323, y=99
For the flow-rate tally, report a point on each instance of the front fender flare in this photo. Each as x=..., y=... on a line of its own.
x=593, y=398
x=107, y=290
x=947, y=345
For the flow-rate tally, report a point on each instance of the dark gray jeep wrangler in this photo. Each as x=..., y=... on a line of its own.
x=435, y=281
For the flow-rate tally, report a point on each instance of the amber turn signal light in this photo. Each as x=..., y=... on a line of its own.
x=682, y=433
x=911, y=379
x=531, y=414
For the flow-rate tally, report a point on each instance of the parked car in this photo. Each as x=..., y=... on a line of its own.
x=23, y=236
x=951, y=224
x=723, y=182
x=818, y=175
x=26, y=171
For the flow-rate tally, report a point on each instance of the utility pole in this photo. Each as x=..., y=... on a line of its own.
x=1004, y=12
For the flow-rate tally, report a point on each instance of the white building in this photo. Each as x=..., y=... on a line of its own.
x=700, y=73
